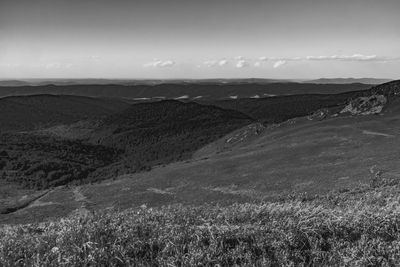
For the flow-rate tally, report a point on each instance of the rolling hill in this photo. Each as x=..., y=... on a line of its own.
x=24, y=113
x=349, y=81
x=342, y=150
x=184, y=90
x=134, y=139
x=167, y=130
x=41, y=82
x=281, y=108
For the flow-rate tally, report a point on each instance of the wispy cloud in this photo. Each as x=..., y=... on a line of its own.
x=242, y=63
x=276, y=62
x=57, y=65
x=354, y=57
x=210, y=63
x=160, y=63
x=215, y=63
x=279, y=63
x=223, y=62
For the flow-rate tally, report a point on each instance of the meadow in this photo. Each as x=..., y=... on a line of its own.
x=358, y=227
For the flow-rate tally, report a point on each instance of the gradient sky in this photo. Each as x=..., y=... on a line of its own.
x=199, y=38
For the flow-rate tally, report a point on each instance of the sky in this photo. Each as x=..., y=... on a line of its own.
x=141, y=39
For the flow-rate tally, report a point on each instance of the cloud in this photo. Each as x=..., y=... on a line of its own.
x=160, y=63
x=241, y=64
x=210, y=63
x=279, y=63
x=95, y=58
x=215, y=63
x=257, y=62
x=57, y=65
x=346, y=58
x=355, y=57
x=223, y=62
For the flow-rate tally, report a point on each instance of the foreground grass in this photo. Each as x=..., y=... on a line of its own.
x=356, y=228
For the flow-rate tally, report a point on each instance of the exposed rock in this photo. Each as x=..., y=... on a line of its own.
x=241, y=135
x=366, y=105
x=319, y=115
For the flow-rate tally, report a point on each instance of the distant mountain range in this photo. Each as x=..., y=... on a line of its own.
x=349, y=81
x=182, y=91
x=41, y=82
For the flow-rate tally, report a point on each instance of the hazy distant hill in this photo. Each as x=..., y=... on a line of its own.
x=348, y=81
x=41, y=82
x=208, y=90
x=14, y=83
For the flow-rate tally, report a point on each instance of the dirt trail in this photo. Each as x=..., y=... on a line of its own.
x=85, y=204
x=39, y=203
x=376, y=133
x=35, y=200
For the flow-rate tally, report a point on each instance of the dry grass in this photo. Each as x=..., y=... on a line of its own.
x=353, y=228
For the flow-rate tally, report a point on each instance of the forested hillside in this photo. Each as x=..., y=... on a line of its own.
x=38, y=111
x=166, y=131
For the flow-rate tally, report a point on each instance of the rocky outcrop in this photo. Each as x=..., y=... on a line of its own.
x=245, y=133
x=319, y=115
x=366, y=105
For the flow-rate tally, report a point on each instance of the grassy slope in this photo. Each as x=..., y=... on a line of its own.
x=355, y=228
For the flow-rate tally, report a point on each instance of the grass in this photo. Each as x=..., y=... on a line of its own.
x=350, y=228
